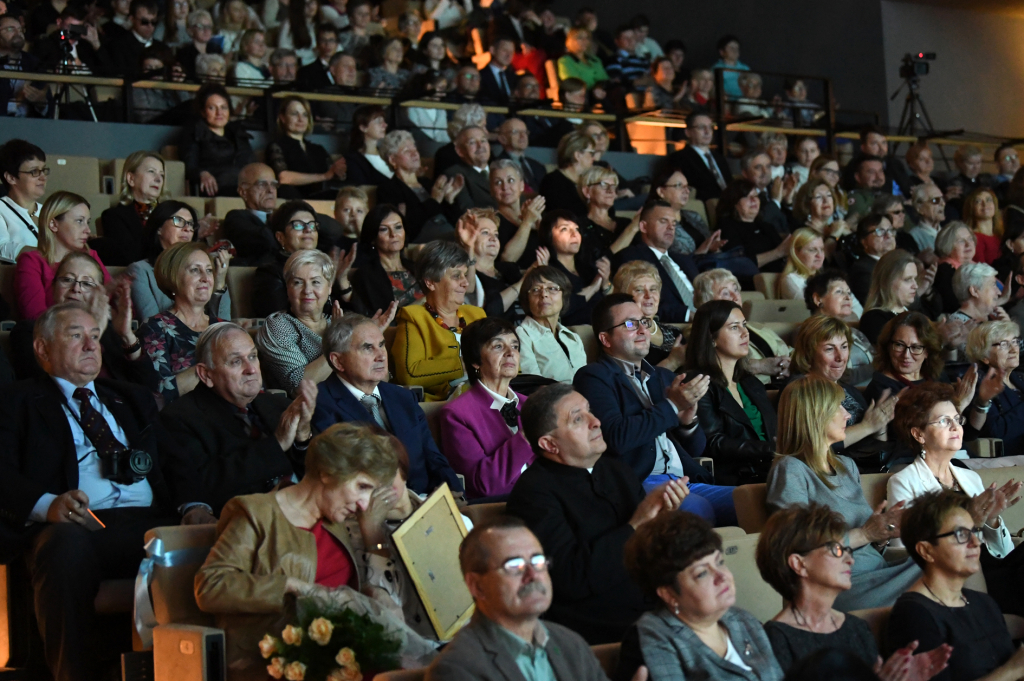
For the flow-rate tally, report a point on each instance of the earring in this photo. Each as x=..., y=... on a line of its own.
x=714, y=344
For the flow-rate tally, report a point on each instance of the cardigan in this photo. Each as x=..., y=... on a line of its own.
x=221, y=156
x=427, y=353
x=480, y=446
x=1005, y=418
x=540, y=353
x=33, y=282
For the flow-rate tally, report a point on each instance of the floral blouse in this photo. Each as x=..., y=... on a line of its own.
x=171, y=346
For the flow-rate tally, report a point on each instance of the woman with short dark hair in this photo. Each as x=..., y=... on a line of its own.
x=737, y=212
x=559, y=232
x=364, y=163
x=546, y=346
x=214, y=148
x=23, y=173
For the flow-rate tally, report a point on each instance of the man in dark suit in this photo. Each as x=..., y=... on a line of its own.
x=474, y=153
x=19, y=97
x=316, y=75
x=498, y=79
x=85, y=55
x=657, y=232
x=337, y=117
x=358, y=391
x=873, y=142
x=235, y=438
x=648, y=414
x=66, y=443
x=248, y=229
x=506, y=572
x=126, y=48
x=756, y=167
x=583, y=506
x=515, y=140
x=705, y=170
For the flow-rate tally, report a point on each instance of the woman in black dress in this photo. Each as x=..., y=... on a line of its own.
x=384, y=275
x=589, y=274
x=125, y=238
x=365, y=166
x=304, y=169
x=575, y=155
x=214, y=148
x=737, y=220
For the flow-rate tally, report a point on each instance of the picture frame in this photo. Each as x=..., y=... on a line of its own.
x=428, y=543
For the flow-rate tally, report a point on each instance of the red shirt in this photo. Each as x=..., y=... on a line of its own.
x=334, y=566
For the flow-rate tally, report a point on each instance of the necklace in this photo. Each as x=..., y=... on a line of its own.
x=806, y=624
x=941, y=602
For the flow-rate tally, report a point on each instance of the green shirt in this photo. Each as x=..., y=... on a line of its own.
x=752, y=413
x=531, y=658
x=591, y=72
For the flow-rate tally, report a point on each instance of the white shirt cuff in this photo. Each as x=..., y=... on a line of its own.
x=39, y=511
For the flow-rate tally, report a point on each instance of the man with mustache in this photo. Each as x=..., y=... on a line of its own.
x=358, y=391
x=583, y=507
x=235, y=438
x=507, y=572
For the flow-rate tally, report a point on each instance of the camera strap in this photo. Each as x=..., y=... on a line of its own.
x=14, y=209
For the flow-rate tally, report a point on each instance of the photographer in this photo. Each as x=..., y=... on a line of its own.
x=19, y=97
x=74, y=47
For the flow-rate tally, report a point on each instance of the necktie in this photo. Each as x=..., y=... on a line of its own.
x=95, y=426
x=714, y=169
x=510, y=414
x=504, y=83
x=685, y=292
x=372, y=405
x=252, y=422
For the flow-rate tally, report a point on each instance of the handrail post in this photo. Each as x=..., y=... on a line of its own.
x=127, y=105
x=720, y=113
x=830, y=117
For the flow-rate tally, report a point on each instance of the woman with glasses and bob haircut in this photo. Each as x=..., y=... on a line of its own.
x=806, y=471
x=547, y=347
x=928, y=421
x=943, y=538
x=736, y=414
x=997, y=409
x=802, y=554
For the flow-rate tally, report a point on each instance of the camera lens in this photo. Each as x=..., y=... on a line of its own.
x=140, y=462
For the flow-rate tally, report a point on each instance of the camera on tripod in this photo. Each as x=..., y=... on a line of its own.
x=915, y=65
x=72, y=32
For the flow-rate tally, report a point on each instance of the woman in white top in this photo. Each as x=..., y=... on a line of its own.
x=448, y=13
x=806, y=256
x=927, y=421
x=298, y=31
x=24, y=172
x=546, y=347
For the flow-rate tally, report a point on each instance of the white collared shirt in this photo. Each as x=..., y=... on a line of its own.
x=359, y=394
x=498, y=73
x=260, y=214
x=102, y=493
x=14, y=229
x=540, y=353
x=144, y=41
x=497, y=402
x=659, y=254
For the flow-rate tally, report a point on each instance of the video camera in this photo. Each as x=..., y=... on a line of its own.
x=915, y=65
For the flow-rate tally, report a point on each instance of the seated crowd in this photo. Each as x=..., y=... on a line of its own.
x=564, y=342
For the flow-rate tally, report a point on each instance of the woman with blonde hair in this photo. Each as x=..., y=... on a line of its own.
x=806, y=471
x=63, y=228
x=641, y=280
x=982, y=215
x=125, y=238
x=575, y=156
x=955, y=245
x=806, y=256
x=894, y=288
x=598, y=187
x=251, y=70
x=997, y=409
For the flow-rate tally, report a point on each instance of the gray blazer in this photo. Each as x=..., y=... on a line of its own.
x=673, y=652
x=478, y=653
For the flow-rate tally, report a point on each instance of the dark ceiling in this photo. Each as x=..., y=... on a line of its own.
x=1010, y=7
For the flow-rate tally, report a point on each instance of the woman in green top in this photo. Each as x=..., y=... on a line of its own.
x=577, y=62
x=735, y=413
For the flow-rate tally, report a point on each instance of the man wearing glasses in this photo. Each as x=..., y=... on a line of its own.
x=86, y=53
x=507, y=573
x=930, y=205
x=706, y=170
x=126, y=48
x=876, y=237
x=19, y=98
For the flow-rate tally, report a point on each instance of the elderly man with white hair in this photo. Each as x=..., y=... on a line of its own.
x=930, y=205
x=235, y=438
x=474, y=156
x=465, y=116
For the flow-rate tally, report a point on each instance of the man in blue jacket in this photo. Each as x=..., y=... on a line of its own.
x=648, y=414
x=358, y=391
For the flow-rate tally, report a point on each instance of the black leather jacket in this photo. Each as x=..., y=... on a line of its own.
x=740, y=455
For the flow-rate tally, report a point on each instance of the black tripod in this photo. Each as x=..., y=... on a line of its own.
x=67, y=67
x=915, y=121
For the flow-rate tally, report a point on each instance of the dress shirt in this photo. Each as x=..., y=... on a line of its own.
x=143, y=41
x=499, y=76
x=531, y=656
x=497, y=402
x=709, y=161
x=14, y=229
x=379, y=165
x=544, y=356
x=102, y=493
x=260, y=215
x=687, y=295
x=667, y=460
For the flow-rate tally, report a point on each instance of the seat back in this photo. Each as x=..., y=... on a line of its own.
x=791, y=311
x=765, y=283
x=784, y=330
x=7, y=286
x=590, y=343
x=478, y=513
x=753, y=594
x=877, y=620
x=172, y=588
x=403, y=675
x=1013, y=516
x=389, y=340
x=607, y=655
x=751, y=506
x=874, y=487
x=240, y=286
x=323, y=206
x=78, y=174
x=432, y=410
x=750, y=295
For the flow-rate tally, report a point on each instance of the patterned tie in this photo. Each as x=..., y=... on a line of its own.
x=714, y=169
x=95, y=426
x=372, y=405
x=252, y=422
x=510, y=414
x=685, y=292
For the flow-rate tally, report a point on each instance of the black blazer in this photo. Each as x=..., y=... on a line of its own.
x=126, y=52
x=38, y=452
x=773, y=215
x=859, y=277
x=371, y=287
x=253, y=238
x=671, y=309
x=691, y=164
x=224, y=461
x=29, y=63
x=268, y=291
x=630, y=429
x=360, y=172
x=560, y=192
x=50, y=54
x=417, y=212
x=222, y=157
x=582, y=521
x=125, y=239
x=477, y=191
x=740, y=456
x=312, y=77
x=490, y=88
x=187, y=57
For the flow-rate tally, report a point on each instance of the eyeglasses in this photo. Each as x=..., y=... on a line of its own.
x=515, y=567
x=947, y=422
x=632, y=324
x=182, y=223
x=550, y=290
x=69, y=282
x=835, y=548
x=677, y=185
x=1005, y=345
x=961, y=534
x=299, y=226
x=147, y=22
x=883, y=231
x=35, y=172
x=604, y=185
x=900, y=348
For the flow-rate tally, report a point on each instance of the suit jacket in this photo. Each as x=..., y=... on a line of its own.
x=739, y=453
x=479, y=652
x=224, y=460
x=125, y=238
x=268, y=292
x=253, y=238
x=417, y=213
x=859, y=277
x=691, y=164
x=50, y=54
x=28, y=63
x=480, y=446
x=533, y=171
x=492, y=90
x=312, y=77
x=773, y=215
x=427, y=466
x=476, y=193
x=629, y=429
x=125, y=54
x=360, y=172
x=38, y=452
x=582, y=520
x=671, y=309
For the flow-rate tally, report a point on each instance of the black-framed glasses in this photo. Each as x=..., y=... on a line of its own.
x=915, y=349
x=35, y=172
x=182, y=223
x=835, y=548
x=69, y=282
x=632, y=324
x=947, y=422
x=515, y=567
x=1005, y=345
x=300, y=226
x=961, y=534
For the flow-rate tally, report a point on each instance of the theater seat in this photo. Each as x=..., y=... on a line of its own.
x=751, y=506
x=750, y=295
x=753, y=594
x=432, y=410
x=877, y=619
x=323, y=207
x=479, y=513
x=240, y=285
x=590, y=343
x=790, y=311
x=765, y=283
x=7, y=285
x=608, y=655
x=78, y=174
x=1013, y=516
x=874, y=487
